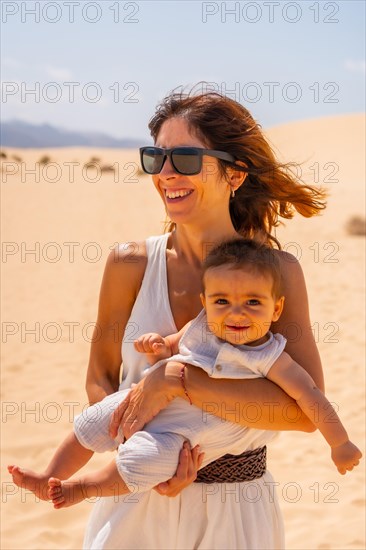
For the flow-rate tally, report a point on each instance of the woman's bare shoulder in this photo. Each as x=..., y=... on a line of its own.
x=286, y=256
x=125, y=267
x=130, y=254
x=290, y=267
x=296, y=308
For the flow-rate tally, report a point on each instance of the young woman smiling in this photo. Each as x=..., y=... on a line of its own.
x=218, y=180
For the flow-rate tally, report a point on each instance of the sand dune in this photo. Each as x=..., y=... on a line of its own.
x=57, y=234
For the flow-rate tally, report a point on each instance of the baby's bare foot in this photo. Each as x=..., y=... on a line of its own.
x=26, y=479
x=65, y=493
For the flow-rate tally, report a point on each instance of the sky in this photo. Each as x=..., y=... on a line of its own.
x=103, y=66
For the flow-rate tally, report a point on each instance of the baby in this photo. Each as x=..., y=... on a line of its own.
x=230, y=338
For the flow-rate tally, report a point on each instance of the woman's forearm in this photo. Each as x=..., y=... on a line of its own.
x=98, y=385
x=255, y=403
x=98, y=391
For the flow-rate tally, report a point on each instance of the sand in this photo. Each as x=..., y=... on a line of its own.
x=57, y=229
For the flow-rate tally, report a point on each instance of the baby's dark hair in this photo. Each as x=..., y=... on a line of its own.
x=244, y=254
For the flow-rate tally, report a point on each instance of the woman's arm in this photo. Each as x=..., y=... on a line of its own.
x=295, y=323
x=120, y=285
x=257, y=403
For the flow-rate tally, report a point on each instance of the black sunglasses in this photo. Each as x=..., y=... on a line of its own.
x=185, y=160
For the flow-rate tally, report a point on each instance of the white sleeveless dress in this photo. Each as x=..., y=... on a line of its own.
x=215, y=516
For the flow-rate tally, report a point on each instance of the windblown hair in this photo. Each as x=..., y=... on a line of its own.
x=248, y=255
x=271, y=189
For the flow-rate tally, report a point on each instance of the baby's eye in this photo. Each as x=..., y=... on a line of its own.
x=253, y=302
x=221, y=301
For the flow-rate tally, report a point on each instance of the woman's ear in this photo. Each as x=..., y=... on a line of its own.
x=236, y=177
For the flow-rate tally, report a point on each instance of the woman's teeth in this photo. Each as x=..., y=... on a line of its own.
x=175, y=194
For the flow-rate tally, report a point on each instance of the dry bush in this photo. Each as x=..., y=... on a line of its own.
x=3, y=155
x=16, y=158
x=107, y=168
x=356, y=226
x=94, y=163
x=91, y=164
x=45, y=159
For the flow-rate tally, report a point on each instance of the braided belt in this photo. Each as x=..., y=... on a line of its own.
x=235, y=468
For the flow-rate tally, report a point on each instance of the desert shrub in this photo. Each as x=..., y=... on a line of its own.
x=91, y=164
x=3, y=155
x=107, y=168
x=45, y=159
x=16, y=158
x=356, y=226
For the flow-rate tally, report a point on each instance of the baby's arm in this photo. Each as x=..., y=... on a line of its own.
x=299, y=385
x=156, y=347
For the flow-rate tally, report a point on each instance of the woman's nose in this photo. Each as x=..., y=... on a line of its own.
x=167, y=170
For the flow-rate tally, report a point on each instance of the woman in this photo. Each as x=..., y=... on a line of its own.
x=228, y=184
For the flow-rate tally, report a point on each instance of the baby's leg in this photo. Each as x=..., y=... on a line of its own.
x=68, y=459
x=91, y=428
x=147, y=459
x=92, y=425
x=102, y=483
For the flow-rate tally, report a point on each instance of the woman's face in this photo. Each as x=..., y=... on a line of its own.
x=189, y=198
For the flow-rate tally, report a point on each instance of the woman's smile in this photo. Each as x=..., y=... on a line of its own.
x=177, y=195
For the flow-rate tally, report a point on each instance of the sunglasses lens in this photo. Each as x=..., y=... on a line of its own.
x=187, y=161
x=152, y=160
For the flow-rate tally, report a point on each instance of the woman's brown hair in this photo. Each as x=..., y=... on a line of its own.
x=271, y=189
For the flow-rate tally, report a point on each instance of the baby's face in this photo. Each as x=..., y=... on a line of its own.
x=239, y=304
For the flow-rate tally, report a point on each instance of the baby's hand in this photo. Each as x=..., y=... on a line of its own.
x=346, y=456
x=154, y=346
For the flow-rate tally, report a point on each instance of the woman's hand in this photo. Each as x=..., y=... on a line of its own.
x=190, y=461
x=146, y=399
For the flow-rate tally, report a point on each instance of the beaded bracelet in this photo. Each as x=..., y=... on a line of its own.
x=183, y=383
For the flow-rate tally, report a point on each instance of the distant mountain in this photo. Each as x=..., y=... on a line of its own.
x=16, y=133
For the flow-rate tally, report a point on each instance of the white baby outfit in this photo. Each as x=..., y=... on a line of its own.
x=215, y=516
